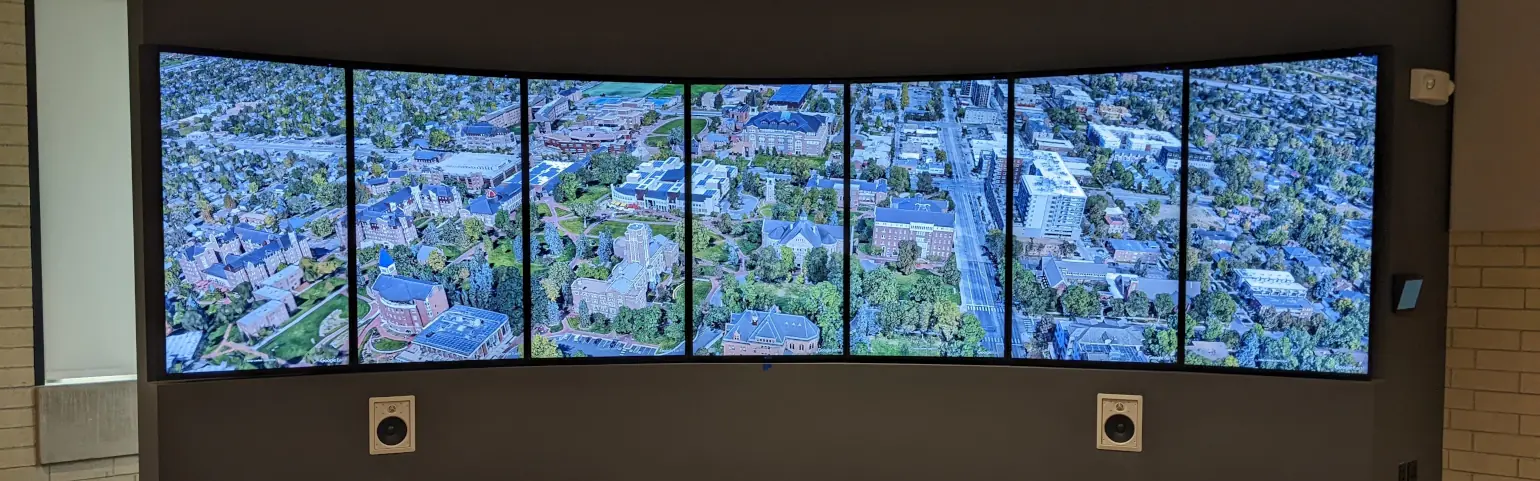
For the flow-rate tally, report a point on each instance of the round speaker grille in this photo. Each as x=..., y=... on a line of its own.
x=1119, y=428
x=391, y=431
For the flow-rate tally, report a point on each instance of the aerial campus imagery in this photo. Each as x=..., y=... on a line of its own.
x=1281, y=207
x=928, y=216
x=606, y=179
x=769, y=236
x=253, y=188
x=439, y=228
x=1097, y=217
x=1279, y=169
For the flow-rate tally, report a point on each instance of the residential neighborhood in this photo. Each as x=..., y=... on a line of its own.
x=1281, y=215
x=930, y=223
x=607, y=181
x=769, y=235
x=253, y=188
x=438, y=220
x=1097, y=217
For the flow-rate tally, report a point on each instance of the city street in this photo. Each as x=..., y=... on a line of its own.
x=980, y=295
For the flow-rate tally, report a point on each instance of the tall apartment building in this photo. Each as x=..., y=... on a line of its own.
x=1054, y=204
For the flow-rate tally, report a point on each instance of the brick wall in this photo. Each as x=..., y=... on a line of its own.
x=1492, y=375
x=18, y=421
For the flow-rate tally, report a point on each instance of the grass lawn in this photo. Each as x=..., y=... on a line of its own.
x=304, y=334
x=503, y=255
x=696, y=90
x=573, y=225
x=422, y=222
x=617, y=228
x=621, y=89
x=385, y=344
x=593, y=194
x=899, y=346
x=702, y=291
x=542, y=210
x=696, y=125
x=451, y=251
x=716, y=253
x=319, y=291
x=666, y=91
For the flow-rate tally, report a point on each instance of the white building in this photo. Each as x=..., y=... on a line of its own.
x=979, y=115
x=1055, y=204
x=1131, y=138
x=1261, y=282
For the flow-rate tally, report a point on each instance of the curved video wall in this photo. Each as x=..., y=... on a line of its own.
x=328, y=217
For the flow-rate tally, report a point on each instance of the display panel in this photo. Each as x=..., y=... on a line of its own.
x=253, y=190
x=439, y=225
x=929, y=218
x=607, y=183
x=1098, y=214
x=769, y=231
x=1281, y=176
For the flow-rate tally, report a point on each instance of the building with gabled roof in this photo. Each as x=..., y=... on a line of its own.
x=787, y=132
x=802, y=236
x=769, y=333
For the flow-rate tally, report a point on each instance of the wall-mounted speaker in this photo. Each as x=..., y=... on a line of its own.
x=392, y=425
x=1119, y=419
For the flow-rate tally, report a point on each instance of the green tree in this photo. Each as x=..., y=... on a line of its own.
x=322, y=227
x=583, y=210
x=1165, y=307
x=436, y=260
x=474, y=229
x=767, y=265
x=898, y=179
x=651, y=117
x=926, y=184
x=881, y=287
x=817, y=265
x=440, y=139
x=972, y=336
x=544, y=348
x=504, y=223
x=950, y=273
x=908, y=255
x=1160, y=343
x=788, y=260
x=1077, y=301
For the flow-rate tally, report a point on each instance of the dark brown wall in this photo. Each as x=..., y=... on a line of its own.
x=835, y=422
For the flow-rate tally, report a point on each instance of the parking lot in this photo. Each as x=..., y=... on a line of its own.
x=598, y=347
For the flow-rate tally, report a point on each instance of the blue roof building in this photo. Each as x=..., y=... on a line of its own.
x=429, y=155
x=483, y=129
x=922, y=205
x=403, y=290
x=464, y=333
x=790, y=96
x=794, y=121
x=900, y=216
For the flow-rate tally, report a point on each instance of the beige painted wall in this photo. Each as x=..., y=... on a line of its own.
x=1492, y=362
x=1496, y=161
